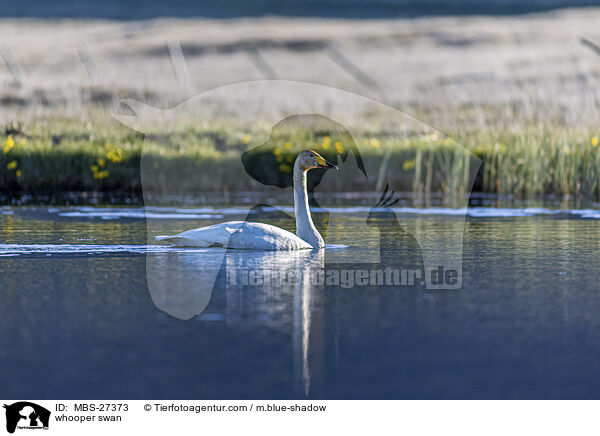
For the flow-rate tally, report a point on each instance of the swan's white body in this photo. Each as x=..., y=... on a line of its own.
x=238, y=234
x=257, y=236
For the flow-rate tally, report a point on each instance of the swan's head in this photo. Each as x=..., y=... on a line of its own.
x=309, y=159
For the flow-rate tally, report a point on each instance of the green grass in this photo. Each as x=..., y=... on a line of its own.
x=68, y=155
x=537, y=161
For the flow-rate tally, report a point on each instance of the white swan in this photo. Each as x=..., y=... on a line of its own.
x=258, y=236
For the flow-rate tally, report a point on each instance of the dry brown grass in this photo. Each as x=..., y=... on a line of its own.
x=456, y=73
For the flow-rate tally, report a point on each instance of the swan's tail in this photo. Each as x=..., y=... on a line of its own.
x=168, y=239
x=182, y=241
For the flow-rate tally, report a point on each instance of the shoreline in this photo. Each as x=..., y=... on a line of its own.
x=63, y=157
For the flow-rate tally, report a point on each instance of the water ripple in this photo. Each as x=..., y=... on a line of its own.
x=168, y=213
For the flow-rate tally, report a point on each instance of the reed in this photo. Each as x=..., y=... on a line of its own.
x=65, y=155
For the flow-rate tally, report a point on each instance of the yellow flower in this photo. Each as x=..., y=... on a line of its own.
x=96, y=171
x=246, y=138
x=594, y=141
x=19, y=173
x=408, y=165
x=447, y=141
x=9, y=144
x=11, y=165
x=285, y=168
x=112, y=154
x=288, y=145
x=101, y=174
x=374, y=142
x=277, y=151
x=289, y=159
x=326, y=142
x=279, y=158
x=115, y=156
x=339, y=148
x=101, y=162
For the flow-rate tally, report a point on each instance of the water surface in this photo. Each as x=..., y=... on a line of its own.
x=135, y=10
x=77, y=319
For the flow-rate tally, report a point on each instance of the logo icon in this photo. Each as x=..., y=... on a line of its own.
x=26, y=415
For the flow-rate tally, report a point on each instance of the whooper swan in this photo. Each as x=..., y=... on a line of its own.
x=258, y=236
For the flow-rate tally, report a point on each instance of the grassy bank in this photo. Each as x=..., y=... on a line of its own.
x=66, y=155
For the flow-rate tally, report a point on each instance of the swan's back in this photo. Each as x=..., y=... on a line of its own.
x=238, y=235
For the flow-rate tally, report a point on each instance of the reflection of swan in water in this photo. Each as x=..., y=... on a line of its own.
x=308, y=336
x=184, y=283
x=295, y=305
x=259, y=236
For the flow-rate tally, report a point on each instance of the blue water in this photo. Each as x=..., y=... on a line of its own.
x=137, y=9
x=78, y=319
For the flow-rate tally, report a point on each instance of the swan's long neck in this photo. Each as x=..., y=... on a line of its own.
x=305, y=229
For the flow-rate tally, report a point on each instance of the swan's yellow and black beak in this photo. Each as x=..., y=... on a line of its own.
x=322, y=163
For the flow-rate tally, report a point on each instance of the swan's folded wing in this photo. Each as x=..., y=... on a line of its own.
x=238, y=235
x=209, y=236
x=259, y=236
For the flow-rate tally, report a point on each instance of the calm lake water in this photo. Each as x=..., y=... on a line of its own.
x=83, y=317
x=134, y=9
